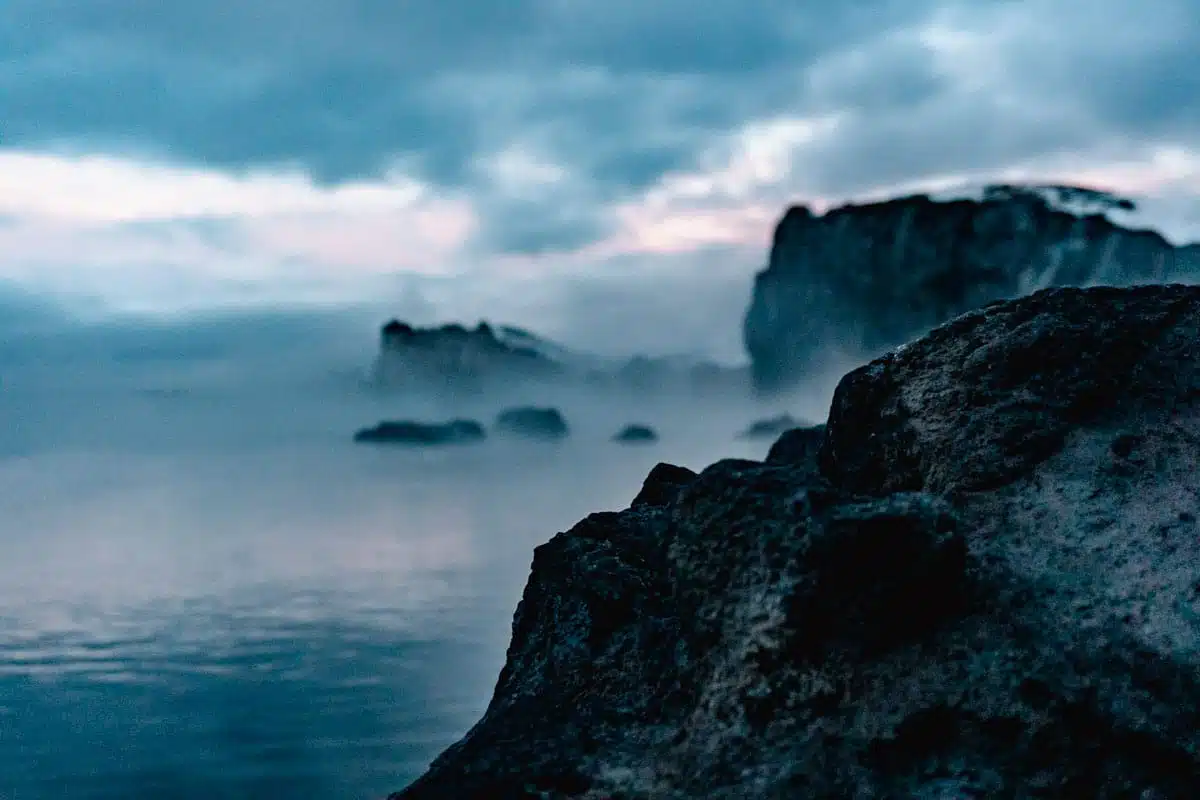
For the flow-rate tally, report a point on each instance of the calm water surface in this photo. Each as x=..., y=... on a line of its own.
x=215, y=595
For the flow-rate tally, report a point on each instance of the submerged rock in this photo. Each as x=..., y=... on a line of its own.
x=859, y=279
x=532, y=423
x=771, y=427
x=983, y=581
x=455, y=431
x=636, y=434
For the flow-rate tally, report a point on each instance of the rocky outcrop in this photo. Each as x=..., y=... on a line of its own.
x=797, y=445
x=636, y=434
x=531, y=422
x=863, y=278
x=662, y=485
x=456, y=359
x=407, y=432
x=980, y=579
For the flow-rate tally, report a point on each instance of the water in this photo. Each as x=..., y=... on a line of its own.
x=209, y=592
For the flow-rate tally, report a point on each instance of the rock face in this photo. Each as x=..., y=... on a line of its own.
x=636, y=434
x=532, y=423
x=456, y=359
x=797, y=445
x=863, y=278
x=455, y=431
x=984, y=581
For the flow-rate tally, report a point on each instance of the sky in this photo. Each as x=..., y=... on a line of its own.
x=577, y=166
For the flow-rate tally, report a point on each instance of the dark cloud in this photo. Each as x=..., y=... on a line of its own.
x=617, y=92
x=343, y=87
x=1130, y=71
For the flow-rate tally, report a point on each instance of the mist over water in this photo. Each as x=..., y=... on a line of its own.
x=207, y=591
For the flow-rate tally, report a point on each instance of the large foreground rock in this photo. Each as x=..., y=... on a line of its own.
x=863, y=278
x=984, y=582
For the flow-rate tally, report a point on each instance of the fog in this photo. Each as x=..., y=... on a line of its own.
x=195, y=552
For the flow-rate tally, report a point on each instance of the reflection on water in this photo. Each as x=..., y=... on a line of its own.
x=217, y=703
x=221, y=597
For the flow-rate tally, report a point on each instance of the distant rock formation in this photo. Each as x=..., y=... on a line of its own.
x=407, y=432
x=863, y=278
x=456, y=359
x=636, y=434
x=771, y=427
x=984, y=581
x=531, y=422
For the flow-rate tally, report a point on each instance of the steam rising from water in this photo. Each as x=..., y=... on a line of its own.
x=208, y=591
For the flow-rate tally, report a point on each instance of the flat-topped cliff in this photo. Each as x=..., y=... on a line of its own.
x=859, y=279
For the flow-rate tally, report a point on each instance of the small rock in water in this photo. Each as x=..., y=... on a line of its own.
x=636, y=434
x=532, y=422
x=409, y=432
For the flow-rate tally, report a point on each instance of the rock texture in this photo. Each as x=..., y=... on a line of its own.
x=408, y=432
x=982, y=581
x=863, y=278
x=797, y=445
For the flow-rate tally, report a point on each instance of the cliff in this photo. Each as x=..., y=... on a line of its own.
x=860, y=279
x=981, y=578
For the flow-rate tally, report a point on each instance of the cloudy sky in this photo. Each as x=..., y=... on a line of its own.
x=543, y=159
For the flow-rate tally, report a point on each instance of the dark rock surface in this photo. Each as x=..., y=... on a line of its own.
x=662, y=484
x=636, y=434
x=983, y=581
x=860, y=279
x=797, y=445
x=531, y=422
x=771, y=427
x=455, y=431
